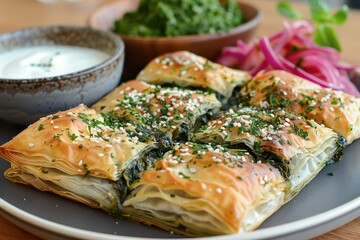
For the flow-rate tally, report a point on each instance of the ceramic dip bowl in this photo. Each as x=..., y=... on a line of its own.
x=25, y=100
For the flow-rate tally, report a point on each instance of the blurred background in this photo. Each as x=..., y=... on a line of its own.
x=350, y=3
x=17, y=14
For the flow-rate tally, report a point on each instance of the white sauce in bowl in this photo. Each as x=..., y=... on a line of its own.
x=47, y=61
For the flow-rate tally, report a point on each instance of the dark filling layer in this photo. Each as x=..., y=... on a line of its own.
x=341, y=143
x=265, y=157
x=234, y=100
x=132, y=173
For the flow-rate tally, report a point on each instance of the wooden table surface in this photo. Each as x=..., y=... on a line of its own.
x=15, y=14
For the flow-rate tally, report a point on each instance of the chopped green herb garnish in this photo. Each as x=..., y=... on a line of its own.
x=87, y=172
x=72, y=136
x=311, y=123
x=301, y=133
x=183, y=175
x=309, y=109
x=57, y=136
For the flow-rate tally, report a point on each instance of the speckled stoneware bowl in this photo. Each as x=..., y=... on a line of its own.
x=25, y=101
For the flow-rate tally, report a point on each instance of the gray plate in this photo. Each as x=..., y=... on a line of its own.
x=326, y=203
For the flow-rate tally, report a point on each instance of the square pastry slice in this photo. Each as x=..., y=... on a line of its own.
x=297, y=147
x=189, y=70
x=171, y=110
x=334, y=109
x=202, y=190
x=79, y=154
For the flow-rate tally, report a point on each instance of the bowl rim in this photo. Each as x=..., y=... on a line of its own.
x=251, y=23
x=119, y=51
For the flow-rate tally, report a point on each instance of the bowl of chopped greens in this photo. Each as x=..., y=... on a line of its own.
x=150, y=28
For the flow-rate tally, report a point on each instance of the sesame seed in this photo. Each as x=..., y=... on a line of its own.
x=203, y=186
x=31, y=145
x=332, y=109
x=100, y=154
x=219, y=190
x=192, y=170
x=277, y=80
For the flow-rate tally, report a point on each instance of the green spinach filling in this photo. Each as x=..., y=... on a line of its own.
x=132, y=173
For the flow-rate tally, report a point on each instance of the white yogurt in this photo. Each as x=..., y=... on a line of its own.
x=47, y=61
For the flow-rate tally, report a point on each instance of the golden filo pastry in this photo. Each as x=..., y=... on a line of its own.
x=171, y=110
x=299, y=148
x=92, y=191
x=202, y=190
x=335, y=109
x=186, y=69
x=76, y=149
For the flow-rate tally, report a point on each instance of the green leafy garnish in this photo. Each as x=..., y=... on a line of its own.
x=326, y=36
x=285, y=9
x=180, y=17
x=323, y=19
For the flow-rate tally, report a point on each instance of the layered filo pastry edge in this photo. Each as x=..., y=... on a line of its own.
x=171, y=110
x=186, y=69
x=299, y=148
x=79, y=154
x=335, y=109
x=202, y=190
